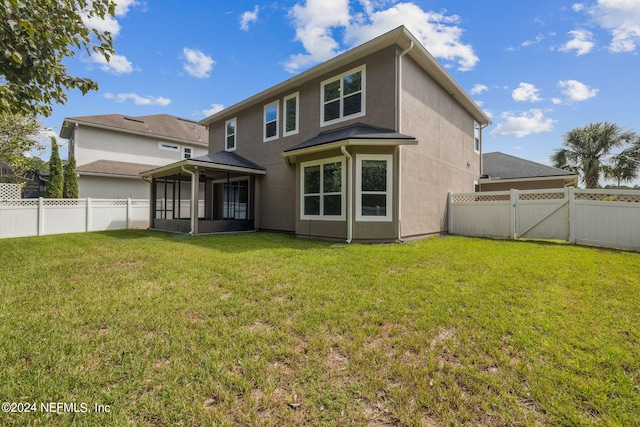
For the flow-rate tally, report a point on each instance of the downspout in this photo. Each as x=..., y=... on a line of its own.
x=349, y=193
x=194, y=201
x=398, y=149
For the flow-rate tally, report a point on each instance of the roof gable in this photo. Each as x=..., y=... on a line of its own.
x=400, y=37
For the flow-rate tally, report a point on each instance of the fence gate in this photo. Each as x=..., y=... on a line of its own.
x=541, y=215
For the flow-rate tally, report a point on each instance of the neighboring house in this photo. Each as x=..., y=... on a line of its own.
x=364, y=147
x=502, y=172
x=112, y=150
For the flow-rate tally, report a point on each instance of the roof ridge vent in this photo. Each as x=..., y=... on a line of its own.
x=133, y=119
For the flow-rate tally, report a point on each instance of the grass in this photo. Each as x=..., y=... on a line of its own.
x=264, y=329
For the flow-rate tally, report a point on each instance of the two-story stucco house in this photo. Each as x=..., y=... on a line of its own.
x=112, y=150
x=363, y=148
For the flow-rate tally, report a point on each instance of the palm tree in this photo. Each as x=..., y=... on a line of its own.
x=623, y=168
x=587, y=149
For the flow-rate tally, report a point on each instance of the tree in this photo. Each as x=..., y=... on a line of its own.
x=16, y=139
x=623, y=168
x=55, y=184
x=588, y=148
x=70, y=186
x=36, y=35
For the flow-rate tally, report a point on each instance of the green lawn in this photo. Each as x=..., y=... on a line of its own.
x=264, y=329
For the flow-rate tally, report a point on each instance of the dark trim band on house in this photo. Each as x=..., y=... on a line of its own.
x=207, y=194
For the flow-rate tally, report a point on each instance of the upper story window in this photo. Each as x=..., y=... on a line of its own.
x=230, y=130
x=271, y=121
x=343, y=97
x=476, y=137
x=322, y=185
x=291, y=116
x=374, y=191
x=187, y=152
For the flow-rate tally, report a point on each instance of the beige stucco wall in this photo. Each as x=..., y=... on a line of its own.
x=112, y=188
x=277, y=191
x=91, y=144
x=444, y=159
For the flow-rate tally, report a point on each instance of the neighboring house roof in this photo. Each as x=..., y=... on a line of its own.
x=401, y=37
x=222, y=160
x=110, y=167
x=357, y=131
x=500, y=166
x=159, y=125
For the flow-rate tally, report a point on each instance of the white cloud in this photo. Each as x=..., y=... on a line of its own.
x=582, y=42
x=622, y=19
x=317, y=20
x=109, y=23
x=438, y=32
x=248, y=18
x=577, y=7
x=198, y=64
x=556, y=101
x=215, y=108
x=526, y=92
x=314, y=23
x=138, y=100
x=519, y=126
x=122, y=6
x=117, y=64
x=477, y=89
x=576, y=91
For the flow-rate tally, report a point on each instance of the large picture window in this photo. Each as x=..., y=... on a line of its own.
x=322, y=186
x=343, y=97
x=230, y=130
x=374, y=180
x=271, y=121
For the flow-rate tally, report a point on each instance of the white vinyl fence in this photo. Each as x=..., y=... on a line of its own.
x=608, y=218
x=37, y=217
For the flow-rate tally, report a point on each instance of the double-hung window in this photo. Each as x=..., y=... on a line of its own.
x=374, y=180
x=186, y=152
x=271, y=121
x=291, y=105
x=476, y=137
x=343, y=97
x=322, y=185
x=230, y=130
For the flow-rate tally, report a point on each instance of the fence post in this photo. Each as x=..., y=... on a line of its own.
x=449, y=214
x=128, y=213
x=513, y=199
x=572, y=213
x=40, y=216
x=88, y=222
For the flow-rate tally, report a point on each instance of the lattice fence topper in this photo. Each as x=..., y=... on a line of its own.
x=65, y=202
x=22, y=203
x=479, y=197
x=10, y=191
x=608, y=197
x=555, y=195
x=109, y=203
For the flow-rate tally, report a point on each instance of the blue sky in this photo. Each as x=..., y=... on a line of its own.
x=538, y=68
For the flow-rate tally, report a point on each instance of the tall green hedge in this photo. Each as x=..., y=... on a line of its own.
x=55, y=184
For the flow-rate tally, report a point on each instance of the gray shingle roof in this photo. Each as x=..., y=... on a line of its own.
x=228, y=158
x=161, y=125
x=357, y=131
x=110, y=167
x=503, y=166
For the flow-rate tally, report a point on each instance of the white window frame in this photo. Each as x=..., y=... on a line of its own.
x=389, y=193
x=477, y=139
x=343, y=187
x=168, y=146
x=184, y=152
x=276, y=120
x=284, y=114
x=235, y=135
x=363, y=99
